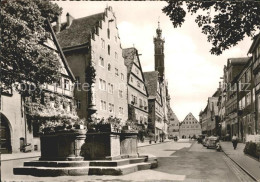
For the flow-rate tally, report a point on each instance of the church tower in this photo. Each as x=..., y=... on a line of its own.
x=159, y=52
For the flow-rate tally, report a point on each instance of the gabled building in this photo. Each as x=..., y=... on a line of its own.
x=92, y=44
x=174, y=123
x=137, y=92
x=157, y=88
x=20, y=115
x=190, y=127
x=156, y=122
x=255, y=51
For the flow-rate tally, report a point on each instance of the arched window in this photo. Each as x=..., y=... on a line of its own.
x=109, y=67
x=108, y=49
x=108, y=33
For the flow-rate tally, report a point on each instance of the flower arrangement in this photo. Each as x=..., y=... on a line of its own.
x=111, y=123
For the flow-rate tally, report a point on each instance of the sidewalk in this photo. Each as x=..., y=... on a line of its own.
x=15, y=156
x=146, y=143
x=248, y=164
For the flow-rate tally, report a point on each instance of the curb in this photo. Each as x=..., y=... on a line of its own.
x=248, y=173
x=18, y=158
x=153, y=144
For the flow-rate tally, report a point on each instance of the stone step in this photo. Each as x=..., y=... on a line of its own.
x=108, y=163
x=85, y=170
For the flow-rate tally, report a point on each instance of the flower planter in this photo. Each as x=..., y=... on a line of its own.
x=101, y=145
x=62, y=145
x=128, y=142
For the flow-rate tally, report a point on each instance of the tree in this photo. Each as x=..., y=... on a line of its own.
x=225, y=26
x=24, y=30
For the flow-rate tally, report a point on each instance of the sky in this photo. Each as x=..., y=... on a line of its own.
x=193, y=74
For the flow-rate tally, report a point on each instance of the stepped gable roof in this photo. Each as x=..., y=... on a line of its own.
x=128, y=55
x=79, y=31
x=151, y=79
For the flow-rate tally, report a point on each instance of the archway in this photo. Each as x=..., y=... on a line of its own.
x=5, y=142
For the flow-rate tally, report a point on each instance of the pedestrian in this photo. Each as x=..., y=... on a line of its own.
x=234, y=141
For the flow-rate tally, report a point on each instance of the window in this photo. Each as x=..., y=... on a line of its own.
x=108, y=49
x=141, y=103
x=103, y=105
x=121, y=94
x=121, y=110
x=92, y=55
x=111, y=107
x=103, y=43
x=101, y=62
x=137, y=71
x=138, y=84
x=109, y=67
x=110, y=88
x=102, y=84
x=108, y=33
x=122, y=76
x=66, y=84
x=144, y=103
x=248, y=99
x=131, y=79
x=78, y=104
x=116, y=56
x=77, y=83
x=116, y=71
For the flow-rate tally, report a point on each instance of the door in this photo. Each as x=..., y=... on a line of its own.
x=5, y=142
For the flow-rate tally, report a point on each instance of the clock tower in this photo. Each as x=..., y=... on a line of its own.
x=159, y=52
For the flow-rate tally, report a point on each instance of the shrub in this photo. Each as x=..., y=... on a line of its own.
x=252, y=149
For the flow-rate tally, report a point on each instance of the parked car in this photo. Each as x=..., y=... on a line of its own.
x=200, y=138
x=204, y=141
x=211, y=142
x=170, y=137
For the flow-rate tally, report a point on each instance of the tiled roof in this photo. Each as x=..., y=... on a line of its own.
x=151, y=79
x=79, y=31
x=128, y=55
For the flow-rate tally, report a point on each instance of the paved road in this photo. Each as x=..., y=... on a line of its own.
x=177, y=162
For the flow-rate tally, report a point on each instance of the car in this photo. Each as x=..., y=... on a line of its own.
x=204, y=141
x=200, y=138
x=211, y=142
x=170, y=137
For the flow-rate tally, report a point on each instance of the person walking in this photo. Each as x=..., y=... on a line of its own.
x=234, y=141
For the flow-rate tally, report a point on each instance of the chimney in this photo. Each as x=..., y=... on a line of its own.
x=69, y=19
x=58, y=24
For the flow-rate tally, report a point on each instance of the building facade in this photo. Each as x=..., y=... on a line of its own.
x=234, y=67
x=137, y=92
x=92, y=43
x=174, y=124
x=246, y=102
x=18, y=125
x=255, y=51
x=190, y=127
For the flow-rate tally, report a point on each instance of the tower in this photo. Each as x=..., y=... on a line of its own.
x=159, y=52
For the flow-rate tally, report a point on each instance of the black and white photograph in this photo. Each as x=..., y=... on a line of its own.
x=130, y=91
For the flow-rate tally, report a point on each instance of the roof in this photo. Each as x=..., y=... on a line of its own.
x=151, y=79
x=79, y=31
x=63, y=58
x=128, y=55
x=238, y=61
x=256, y=41
x=171, y=115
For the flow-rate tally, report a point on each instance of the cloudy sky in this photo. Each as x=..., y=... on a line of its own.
x=192, y=72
